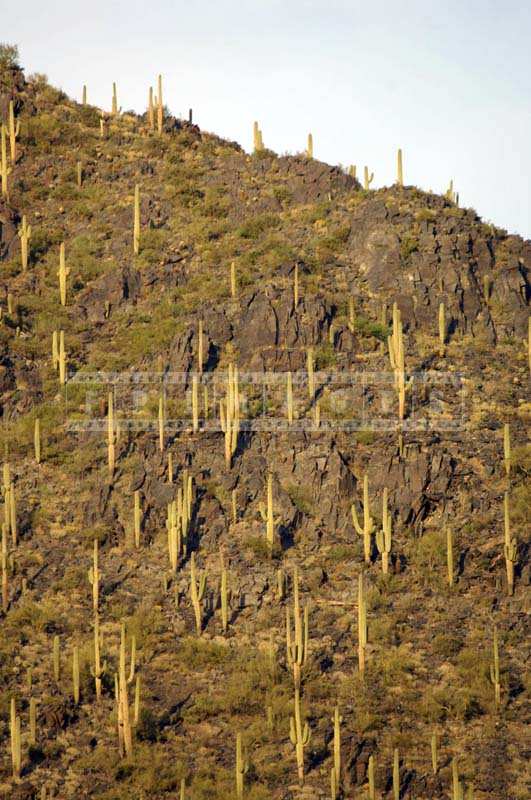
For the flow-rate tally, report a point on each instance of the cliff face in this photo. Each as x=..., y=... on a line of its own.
x=324, y=277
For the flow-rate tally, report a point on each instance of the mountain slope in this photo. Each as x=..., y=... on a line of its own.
x=141, y=326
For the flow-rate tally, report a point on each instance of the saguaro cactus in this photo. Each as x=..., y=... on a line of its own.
x=229, y=411
x=195, y=403
x=137, y=517
x=79, y=174
x=309, y=148
x=450, y=555
x=297, y=644
x=510, y=549
x=136, y=221
x=136, y=712
x=362, y=623
x=61, y=357
x=13, y=132
x=258, y=142
x=370, y=775
x=75, y=674
x=267, y=514
x=161, y=422
x=383, y=536
x=336, y=783
x=442, y=330
x=99, y=669
x=242, y=767
x=495, y=668
x=310, y=368
x=84, y=95
x=114, y=107
x=396, y=357
x=94, y=577
x=396, y=774
x=296, y=286
x=5, y=171
x=224, y=594
x=399, y=168
x=37, y=440
x=368, y=522
x=63, y=272
x=197, y=593
x=200, y=347
x=289, y=397
x=151, y=110
x=5, y=578
x=24, y=234
x=299, y=734
x=367, y=179
x=16, y=754
x=124, y=725
x=111, y=435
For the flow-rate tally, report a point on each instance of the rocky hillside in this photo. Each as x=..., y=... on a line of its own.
x=357, y=347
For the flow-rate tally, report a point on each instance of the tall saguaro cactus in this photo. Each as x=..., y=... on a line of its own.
x=299, y=734
x=336, y=770
x=297, y=643
x=442, y=330
x=367, y=179
x=24, y=234
x=396, y=357
x=94, y=577
x=368, y=522
x=63, y=272
x=111, y=435
x=229, y=411
x=136, y=221
x=383, y=536
x=124, y=724
x=16, y=754
x=399, y=168
x=99, y=668
x=13, y=132
x=510, y=548
x=5, y=171
x=62, y=358
x=289, y=397
x=267, y=514
x=224, y=594
x=197, y=593
x=495, y=668
x=362, y=623
x=309, y=148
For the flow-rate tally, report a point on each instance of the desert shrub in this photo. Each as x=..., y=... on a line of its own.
x=253, y=227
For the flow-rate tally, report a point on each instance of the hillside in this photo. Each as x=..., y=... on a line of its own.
x=400, y=321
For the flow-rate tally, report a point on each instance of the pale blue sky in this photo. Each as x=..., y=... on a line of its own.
x=448, y=82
